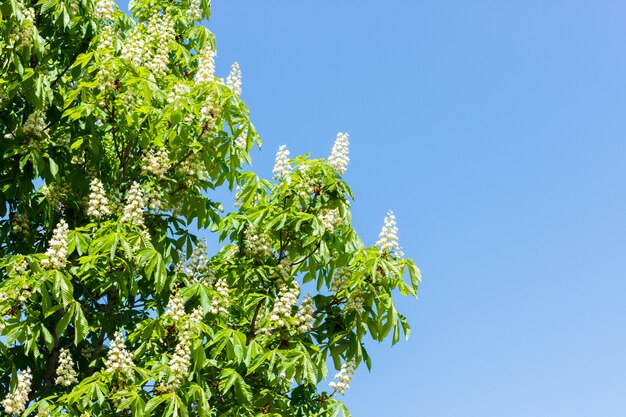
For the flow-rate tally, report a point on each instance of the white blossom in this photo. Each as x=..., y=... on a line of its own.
x=175, y=308
x=135, y=49
x=338, y=158
x=340, y=280
x=161, y=32
x=281, y=165
x=133, y=211
x=98, y=201
x=35, y=124
x=119, y=360
x=329, y=219
x=178, y=92
x=210, y=114
x=156, y=163
x=344, y=377
x=56, y=255
x=257, y=243
x=206, y=66
x=195, y=318
x=104, y=9
x=283, y=269
x=22, y=268
x=234, y=79
x=197, y=268
x=22, y=33
x=219, y=304
x=355, y=301
x=20, y=37
x=106, y=39
x=106, y=79
x=305, y=316
x=194, y=12
x=388, y=237
x=179, y=363
x=287, y=298
x=66, y=374
x=16, y=401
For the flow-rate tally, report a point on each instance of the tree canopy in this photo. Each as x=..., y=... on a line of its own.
x=115, y=128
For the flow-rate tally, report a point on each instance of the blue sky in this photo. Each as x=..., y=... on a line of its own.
x=496, y=132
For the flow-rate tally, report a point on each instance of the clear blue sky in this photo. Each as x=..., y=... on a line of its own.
x=497, y=132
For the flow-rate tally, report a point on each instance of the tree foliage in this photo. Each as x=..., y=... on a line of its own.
x=115, y=129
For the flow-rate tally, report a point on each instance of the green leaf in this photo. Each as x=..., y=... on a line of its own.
x=154, y=402
x=65, y=320
x=81, y=328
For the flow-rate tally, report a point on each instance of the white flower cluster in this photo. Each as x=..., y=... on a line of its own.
x=206, y=66
x=161, y=31
x=133, y=211
x=355, y=301
x=210, y=114
x=388, y=237
x=344, y=377
x=283, y=269
x=98, y=201
x=16, y=401
x=287, y=298
x=234, y=79
x=175, y=308
x=106, y=79
x=56, y=255
x=151, y=49
x=55, y=193
x=66, y=374
x=257, y=243
x=189, y=167
x=106, y=39
x=340, y=280
x=197, y=268
x=2, y=325
x=195, y=318
x=105, y=9
x=338, y=158
x=281, y=165
x=24, y=296
x=156, y=163
x=219, y=304
x=119, y=360
x=305, y=315
x=20, y=37
x=22, y=34
x=178, y=92
x=329, y=219
x=35, y=124
x=194, y=12
x=180, y=361
x=155, y=199
x=22, y=268
x=135, y=48
x=28, y=13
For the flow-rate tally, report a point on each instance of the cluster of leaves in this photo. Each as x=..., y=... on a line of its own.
x=75, y=108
